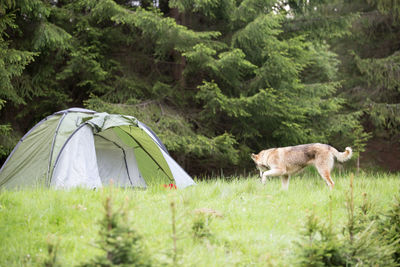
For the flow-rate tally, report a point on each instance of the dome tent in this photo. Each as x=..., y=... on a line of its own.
x=80, y=147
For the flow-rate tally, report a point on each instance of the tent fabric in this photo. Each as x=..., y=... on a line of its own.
x=81, y=147
x=30, y=157
x=77, y=164
x=152, y=135
x=68, y=124
x=81, y=110
x=113, y=157
x=182, y=179
x=103, y=121
x=132, y=135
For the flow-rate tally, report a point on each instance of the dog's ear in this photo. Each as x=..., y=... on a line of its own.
x=253, y=156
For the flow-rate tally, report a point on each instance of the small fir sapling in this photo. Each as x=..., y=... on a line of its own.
x=120, y=243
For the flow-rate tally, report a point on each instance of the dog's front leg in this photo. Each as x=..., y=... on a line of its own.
x=261, y=169
x=272, y=172
x=285, y=181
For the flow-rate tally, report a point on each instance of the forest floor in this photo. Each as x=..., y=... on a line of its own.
x=383, y=153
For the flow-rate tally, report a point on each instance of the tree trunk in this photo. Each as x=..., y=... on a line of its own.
x=179, y=60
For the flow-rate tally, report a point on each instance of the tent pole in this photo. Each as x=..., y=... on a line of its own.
x=52, y=148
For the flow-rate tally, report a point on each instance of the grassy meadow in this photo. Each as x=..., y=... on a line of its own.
x=254, y=225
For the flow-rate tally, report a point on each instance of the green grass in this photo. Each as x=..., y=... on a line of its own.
x=258, y=227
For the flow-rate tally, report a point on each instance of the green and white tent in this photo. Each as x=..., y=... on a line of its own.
x=80, y=147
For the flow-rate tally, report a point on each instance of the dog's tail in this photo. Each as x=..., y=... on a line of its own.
x=343, y=156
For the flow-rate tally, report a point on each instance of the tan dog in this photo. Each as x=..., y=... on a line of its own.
x=284, y=161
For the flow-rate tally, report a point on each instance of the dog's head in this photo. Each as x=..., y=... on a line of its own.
x=254, y=157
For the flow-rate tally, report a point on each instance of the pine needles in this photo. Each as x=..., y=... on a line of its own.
x=362, y=242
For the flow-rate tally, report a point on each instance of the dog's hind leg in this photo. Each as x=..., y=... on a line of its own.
x=326, y=175
x=272, y=172
x=324, y=167
x=285, y=181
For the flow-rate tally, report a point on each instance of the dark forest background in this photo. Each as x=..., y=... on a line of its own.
x=215, y=79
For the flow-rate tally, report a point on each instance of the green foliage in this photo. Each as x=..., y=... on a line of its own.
x=370, y=64
x=215, y=102
x=320, y=20
x=320, y=245
x=363, y=244
x=12, y=61
x=258, y=35
x=367, y=240
x=84, y=65
x=12, y=64
x=200, y=227
x=360, y=140
x=381, y=78
x=388, y=7
x=368, y=248
x=52, y=252
x=120, y=243
x=381, y=72
x=390, y=227
x=212, y=9
x=4, y=133
x=165, y=33
x=49, y=37
x=215, y=79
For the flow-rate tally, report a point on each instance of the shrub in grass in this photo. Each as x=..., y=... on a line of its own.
x=366, y=239
x=120, y=243
x=51, y=258
x=319, y=245
x=368, y=248
x=390, y=228
x=201, y=223
x=200, y=227
x=364, y=244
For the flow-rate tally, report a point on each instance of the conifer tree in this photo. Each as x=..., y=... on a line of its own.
x=12, y=63
x=370, y=65
x=363, y=34
x=216, y=80
x=284, y=91
x=119, y=243
x=319, y=245
x=390, y=228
